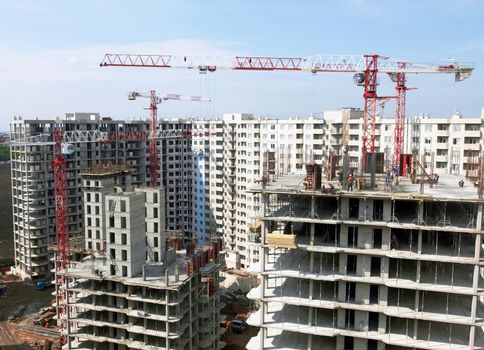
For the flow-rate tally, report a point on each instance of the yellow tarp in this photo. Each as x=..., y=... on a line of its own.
x=278, y=240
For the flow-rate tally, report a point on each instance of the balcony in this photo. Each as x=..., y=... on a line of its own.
x=472, y=133
x=472, y=146
x=443, y=158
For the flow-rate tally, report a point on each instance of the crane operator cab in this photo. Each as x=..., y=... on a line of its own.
x=67, y=148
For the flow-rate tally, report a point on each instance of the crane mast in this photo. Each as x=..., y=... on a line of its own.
x=399, y=130
x=153, y=148
x=365, y=67
x=369, y=111
x=61, y=229
x=154, y=101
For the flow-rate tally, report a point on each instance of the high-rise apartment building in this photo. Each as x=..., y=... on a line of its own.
x=141, y=291
x=385, y=268
x=33, y=190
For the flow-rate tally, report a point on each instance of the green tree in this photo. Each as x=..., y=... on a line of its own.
x=4, y=153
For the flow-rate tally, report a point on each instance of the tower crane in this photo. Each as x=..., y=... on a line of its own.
x=365, y=68
x=63, y=143
x=155, y=100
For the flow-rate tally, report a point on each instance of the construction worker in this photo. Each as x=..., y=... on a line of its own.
x=388, y=176
x=461, y=183
x=350, y=181
x=340, y=177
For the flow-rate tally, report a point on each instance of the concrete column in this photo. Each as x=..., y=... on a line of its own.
x=338, y=209
x=476, y=275
x=311, y=261
x=263, y=334
x=263, y=281
x=167, y=325
x=415, y=321
x=385, y=268
x=68, y=316
x=420, y=217
x=479, y=217
x=190, y=314
x=475, y=282
x=312, y=206
x=56, y=287
x=340, y=342
x=472, y=333
x=263, y=232
x=418, y=271
x=311, y=234
x=310, y=341
x=419, y=243
x=264, y=202
x=477, y=253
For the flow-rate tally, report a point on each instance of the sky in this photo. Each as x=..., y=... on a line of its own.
x=50, y=53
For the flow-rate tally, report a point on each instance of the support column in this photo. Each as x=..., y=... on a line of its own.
x=311, y=234
x=263, y=283
x=68, y=316
x=420, y=217
x=190, y=314
x=419, y=243
x=263, y=334
x=472, y=334
x=56, y=289
x=312, y=207
x=167, y=324
x=311, y=261
x=475, y=281
x=338, y=210
x=417, y=277
x=415, y=321
x=310, y=316
x=311, y=286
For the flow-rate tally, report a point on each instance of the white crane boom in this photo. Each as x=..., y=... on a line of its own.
x=83, y=136
x=313, y=64
x=159, y=98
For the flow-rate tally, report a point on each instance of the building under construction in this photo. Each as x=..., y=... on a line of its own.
x=136, y=288
x=397, y=266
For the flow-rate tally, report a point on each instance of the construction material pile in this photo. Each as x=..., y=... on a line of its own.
x=279, y=240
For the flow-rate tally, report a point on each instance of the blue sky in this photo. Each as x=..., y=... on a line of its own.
x=50, y=51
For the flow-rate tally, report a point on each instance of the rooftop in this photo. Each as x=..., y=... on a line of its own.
x=105, y=170
x=447, y=188
x=156, y=275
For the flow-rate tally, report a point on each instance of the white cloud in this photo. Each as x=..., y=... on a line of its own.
x=82, y=63
x=49, y=83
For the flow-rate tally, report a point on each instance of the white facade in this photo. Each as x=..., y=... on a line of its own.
x=206, y=175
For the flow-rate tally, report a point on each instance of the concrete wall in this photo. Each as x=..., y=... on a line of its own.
x=129, y=222
x=155, y=222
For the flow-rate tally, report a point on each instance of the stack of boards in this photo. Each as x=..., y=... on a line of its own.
x=279, y=240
